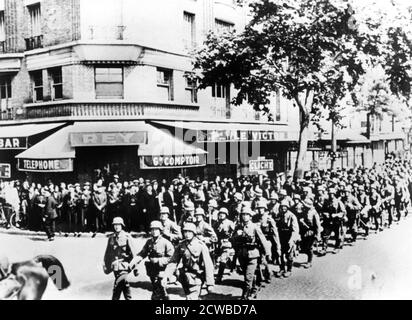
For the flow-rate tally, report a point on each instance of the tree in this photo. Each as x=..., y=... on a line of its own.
x=313, y=51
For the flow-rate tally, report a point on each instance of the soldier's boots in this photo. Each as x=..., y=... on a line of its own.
x=219, y=276
x=245, y=294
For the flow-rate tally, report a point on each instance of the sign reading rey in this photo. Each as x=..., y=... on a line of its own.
x=176, y=161
x=89, y=139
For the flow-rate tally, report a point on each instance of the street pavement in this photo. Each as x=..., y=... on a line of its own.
x=379, y=267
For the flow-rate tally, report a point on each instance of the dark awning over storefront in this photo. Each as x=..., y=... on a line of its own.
x=157, y=149
x=15, y=137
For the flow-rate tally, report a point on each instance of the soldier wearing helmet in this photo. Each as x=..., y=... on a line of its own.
x=159, y=251
x=335, y=214
x=273, y=205
x=171, y=231
x=212, y=210
x=224, y=229
x=196, y=264
x=288, y=229
x=248, y=238
x=353, y=208
x=204, y=230
x=119, y=253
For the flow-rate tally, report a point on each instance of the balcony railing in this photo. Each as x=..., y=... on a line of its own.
x=105, y=110
x=34, y=42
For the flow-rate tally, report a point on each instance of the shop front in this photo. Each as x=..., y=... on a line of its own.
x=87, y=151
x=15, y=139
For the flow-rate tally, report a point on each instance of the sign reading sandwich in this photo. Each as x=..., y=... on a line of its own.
x=43, y=165
x=175, y=161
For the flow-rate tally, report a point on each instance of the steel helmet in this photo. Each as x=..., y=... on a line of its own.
x=283, y=192
x=156, y=225
x=224, y=210
x=118, y=220
x=285, y=203
x=274, y=196
x=190, y=227
x=261, y=204
x=308, y=203
x=238, y=196
x=199, y=212
x=213, y=203
x=247, y=210
x=164, y=210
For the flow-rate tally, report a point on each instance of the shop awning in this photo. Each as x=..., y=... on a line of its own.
x=100, y=53
x=157, y=148
x=234, y=132
x=15, y=136
x=165, y=151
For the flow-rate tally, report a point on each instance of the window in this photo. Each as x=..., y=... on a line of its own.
x=218, y=91
x=56, y=79
x=109, y=82
x=191, y=89
x=37, y=83
x=35, y=19
x=277, y=107
x=5, y=87
x=165, y=83
x=2, y=27
x=223, y=26
x=189, y=32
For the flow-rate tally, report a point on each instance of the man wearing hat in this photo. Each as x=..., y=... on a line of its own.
x=159, y=251
x=288, y=228
x=204, y=230
x=50, y=214
x=310, y=229
x=119, y=253
x=375, y=211
x=171, y=231
x=212, y=214
x=188, y=213
x=196, y=264
x=236, y=207
x=258, y=197
x=248, y=238
x=85, y=198
x=224, y=229
x=273, y=205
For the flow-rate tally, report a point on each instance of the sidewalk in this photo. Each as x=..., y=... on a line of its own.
x=16, y=231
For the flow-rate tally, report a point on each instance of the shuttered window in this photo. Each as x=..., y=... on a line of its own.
x=109, y=82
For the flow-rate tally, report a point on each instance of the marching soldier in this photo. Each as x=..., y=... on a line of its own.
x=310, y=230
x=288, y=228
x=204, y=230
x=353, y=208
x=171, y=231
x=375, y=211
x=119, y=253
x=188, y=214
x=364, y=214
x=224, y=229
x=335, y=213
x=196, y=264
x=270, y=231
x=249, y=238
x=159, y=251
x=388, y=199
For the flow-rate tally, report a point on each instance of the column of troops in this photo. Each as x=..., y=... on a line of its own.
x=253, y=227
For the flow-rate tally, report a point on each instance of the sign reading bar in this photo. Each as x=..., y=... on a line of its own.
x=89, y=139
x=164, y=162
x=50, y=165
x=13, y=143
x=236, y=135
x=261, y=165
x=5, y=171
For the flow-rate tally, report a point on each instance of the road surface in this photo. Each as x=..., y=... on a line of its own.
x=377, y=268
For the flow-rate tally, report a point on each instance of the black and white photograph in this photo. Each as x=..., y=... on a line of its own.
x=213, y=150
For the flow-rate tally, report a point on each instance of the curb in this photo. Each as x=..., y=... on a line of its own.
x=18, y=232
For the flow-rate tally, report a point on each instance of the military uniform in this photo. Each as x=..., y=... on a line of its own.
x=353, y=208
x=119, y=253
x=171, y=231
x=205, y=232
x=196, y=267
x=224, y=230
x=249, y=238
x=335, y=213
x=159, y=251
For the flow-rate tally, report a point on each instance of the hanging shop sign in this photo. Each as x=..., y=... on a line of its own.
x=13, y=143
x=98, y=139
x=46, y=165
x=5, y=171
x=261, y=165
x=176, y=161
x=236, y=135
